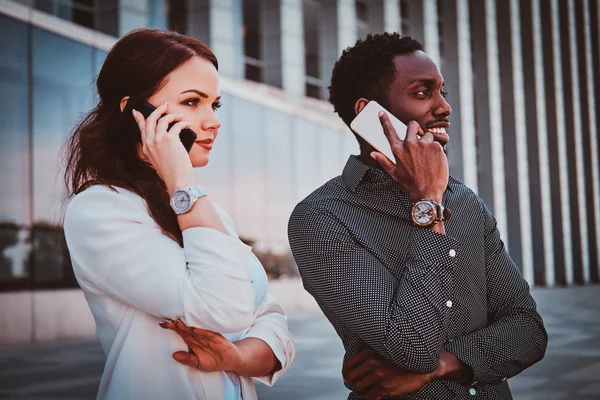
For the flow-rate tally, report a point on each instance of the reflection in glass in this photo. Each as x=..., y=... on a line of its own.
x=15, y=205
x=14, y=123
x=62, y=92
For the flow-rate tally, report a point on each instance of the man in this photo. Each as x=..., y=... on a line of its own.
x=428, y=306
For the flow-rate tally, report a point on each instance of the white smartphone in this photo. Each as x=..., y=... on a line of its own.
x=367, y=125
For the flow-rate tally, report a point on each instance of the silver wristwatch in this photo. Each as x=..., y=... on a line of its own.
x=183, y=199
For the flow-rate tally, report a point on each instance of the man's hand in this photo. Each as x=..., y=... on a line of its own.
x=210, y=351
x=374, y=377
x=421, y=165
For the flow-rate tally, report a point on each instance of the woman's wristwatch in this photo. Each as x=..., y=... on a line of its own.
x=183, y=199
x=426, y=212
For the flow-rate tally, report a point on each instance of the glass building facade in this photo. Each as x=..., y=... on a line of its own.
x=523, y=78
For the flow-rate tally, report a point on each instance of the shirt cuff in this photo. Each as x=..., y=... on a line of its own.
x=433, y=248
x=465, y=349
x=282, y=349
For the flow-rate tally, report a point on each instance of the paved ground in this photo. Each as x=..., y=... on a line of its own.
x=570, y=370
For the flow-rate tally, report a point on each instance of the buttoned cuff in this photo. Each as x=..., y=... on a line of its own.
x=433, y=248
x=466, y=350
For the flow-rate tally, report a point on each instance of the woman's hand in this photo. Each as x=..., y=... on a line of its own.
x=163, y=148
x=210, y=351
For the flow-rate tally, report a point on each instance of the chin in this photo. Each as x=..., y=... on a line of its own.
x=199, y=162
x=199, y=157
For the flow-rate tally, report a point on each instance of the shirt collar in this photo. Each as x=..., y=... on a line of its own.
x=355, y=171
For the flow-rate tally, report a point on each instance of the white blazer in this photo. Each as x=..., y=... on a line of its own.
x=133, y=276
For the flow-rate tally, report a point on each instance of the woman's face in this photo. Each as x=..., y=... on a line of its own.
x=193, y=91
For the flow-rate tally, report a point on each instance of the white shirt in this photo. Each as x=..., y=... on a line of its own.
x=133, y=276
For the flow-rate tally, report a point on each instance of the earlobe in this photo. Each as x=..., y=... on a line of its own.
x=123, y=102
x=360, y=104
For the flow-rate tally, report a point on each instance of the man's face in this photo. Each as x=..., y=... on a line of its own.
x=417, y=94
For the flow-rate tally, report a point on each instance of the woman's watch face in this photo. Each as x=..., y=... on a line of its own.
x=181, y=201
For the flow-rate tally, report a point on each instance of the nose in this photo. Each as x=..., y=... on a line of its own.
x=442, y=109
x=211, y=123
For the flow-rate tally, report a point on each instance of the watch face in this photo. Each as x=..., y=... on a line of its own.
x=423, y=213
x=181, y=201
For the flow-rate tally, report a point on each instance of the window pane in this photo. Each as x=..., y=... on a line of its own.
x=15, y=205
x=62, y=93
x=14, y=120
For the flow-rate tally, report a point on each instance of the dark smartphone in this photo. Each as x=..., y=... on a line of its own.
x=187, y=136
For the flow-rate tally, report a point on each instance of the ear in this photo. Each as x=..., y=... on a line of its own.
x=360, y=104
x=123, y=102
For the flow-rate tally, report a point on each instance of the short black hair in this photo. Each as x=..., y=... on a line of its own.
x=366, y=70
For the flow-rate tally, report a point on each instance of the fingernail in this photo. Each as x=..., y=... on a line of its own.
x=133, y=112
x=165, y=103
x=380, y=114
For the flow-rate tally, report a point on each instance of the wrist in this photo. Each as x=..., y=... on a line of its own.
x=181, y=183
x=416, y=195
x=238, y=363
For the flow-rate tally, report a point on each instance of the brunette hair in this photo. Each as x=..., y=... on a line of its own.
x=100, y=151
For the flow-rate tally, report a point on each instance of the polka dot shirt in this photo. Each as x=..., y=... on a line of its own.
x=409, y=292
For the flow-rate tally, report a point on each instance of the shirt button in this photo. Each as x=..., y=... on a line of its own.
x=472, y=391
x=452, y=253
x=449, y=303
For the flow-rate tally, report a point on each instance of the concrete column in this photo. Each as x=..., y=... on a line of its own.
x=466, y=99
x=562, y=143
x=593, y=131
x=545, y=195
x=580, y=133
x=481, y=97
x=521, y=145
x=226, y=36
x=430, y=30
x=495, y=118
x=391, y=15
x=293, y=63
x=346, y=24
x=337, y=30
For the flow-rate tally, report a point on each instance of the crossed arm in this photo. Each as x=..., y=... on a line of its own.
x=404, y=320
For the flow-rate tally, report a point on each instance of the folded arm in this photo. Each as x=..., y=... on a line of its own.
x=404, y=320
x=118, y=250
x=515, y=338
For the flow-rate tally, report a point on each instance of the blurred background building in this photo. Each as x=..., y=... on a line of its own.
x=523, y=80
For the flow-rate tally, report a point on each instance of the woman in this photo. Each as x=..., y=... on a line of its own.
x=147, y=244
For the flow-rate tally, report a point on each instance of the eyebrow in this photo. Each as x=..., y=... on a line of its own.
x=199, y=93
x=426, y=81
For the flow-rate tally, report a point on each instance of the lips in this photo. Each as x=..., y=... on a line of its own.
x=439, y=132
x=205, y=143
